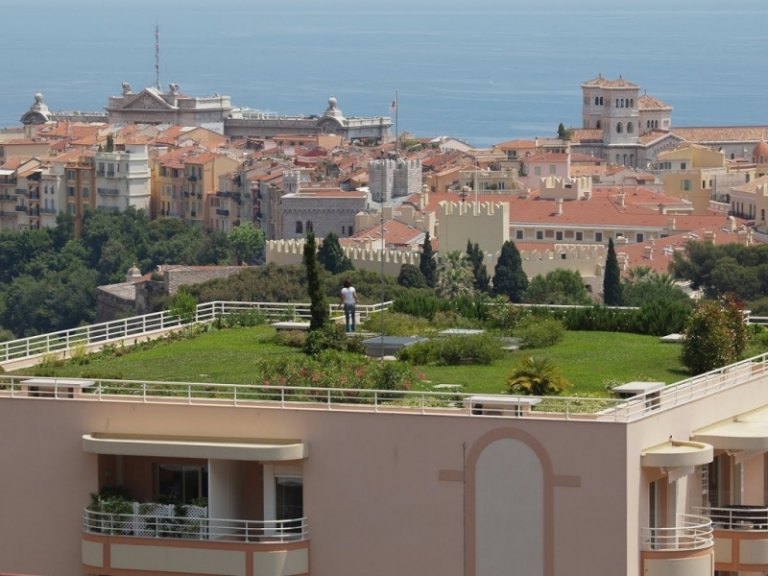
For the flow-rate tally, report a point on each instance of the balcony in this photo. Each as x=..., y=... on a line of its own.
x=160, y=542
x=741, y=537
x=688, y=548
x=154, y=520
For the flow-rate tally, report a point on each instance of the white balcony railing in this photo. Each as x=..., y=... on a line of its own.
x=191, y=528
x=691, y=533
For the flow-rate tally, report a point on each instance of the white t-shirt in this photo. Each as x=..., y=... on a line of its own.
x=348, y=295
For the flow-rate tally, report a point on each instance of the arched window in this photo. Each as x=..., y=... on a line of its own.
x=630, y=128
x=619, y=128
x=601, y=100
x=299, y=227
x=598, y=124
x=597, y=100
x=310, y=228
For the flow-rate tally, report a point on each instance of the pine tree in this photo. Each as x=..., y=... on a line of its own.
x=317, y=308
x=479, y=271
x=509, y=279
x=331, y=256
x=427, y=263
x=611, y=278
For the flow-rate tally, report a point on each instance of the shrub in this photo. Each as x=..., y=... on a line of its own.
x=454, y=350
x=537, y=332
x=397, y=324
x=292, y=338
x=418, y=303
x=327, y=337
x=715, y=335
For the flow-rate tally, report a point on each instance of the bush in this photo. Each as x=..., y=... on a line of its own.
x=292, y=338
x=454, y=350
x=397, y=324
x=537, y=332
x=327, y=337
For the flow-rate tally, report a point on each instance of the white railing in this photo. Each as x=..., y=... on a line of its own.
x=402, y=401
x=738, y=517
x=137, y=326
x=690, y=533
x=219, y=529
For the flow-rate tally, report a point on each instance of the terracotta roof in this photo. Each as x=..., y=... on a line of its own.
x=396, y=234
x=601, y=82
x=722, y=133
x=646, y=102
x=583, y=135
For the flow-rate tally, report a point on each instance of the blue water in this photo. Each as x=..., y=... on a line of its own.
x=485, y=71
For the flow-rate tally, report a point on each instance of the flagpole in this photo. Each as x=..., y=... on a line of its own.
x=397, y=138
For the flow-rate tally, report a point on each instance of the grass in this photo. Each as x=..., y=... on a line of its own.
x=588, y=360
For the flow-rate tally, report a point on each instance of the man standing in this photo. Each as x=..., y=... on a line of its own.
x=348, y=298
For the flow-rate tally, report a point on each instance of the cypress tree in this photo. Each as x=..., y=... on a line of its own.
x=480, y=273
x=427, y=262
x=611, y=278
x=331, y=256
x=317, y=308
x=509, y=279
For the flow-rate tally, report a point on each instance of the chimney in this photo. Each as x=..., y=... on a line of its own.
x=649, y=252
x=672, y=224
x=709, y=236
x=559, y=206
x=662, y=210
x=622, y=197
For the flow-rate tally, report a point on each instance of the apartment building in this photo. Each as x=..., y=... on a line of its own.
x=667, y=481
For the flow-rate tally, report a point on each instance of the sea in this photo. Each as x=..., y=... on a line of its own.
x=483, y=71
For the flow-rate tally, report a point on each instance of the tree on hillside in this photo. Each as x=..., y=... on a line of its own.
x=509, y=279
x=560, y=286
x=427, y=263
x=411, y=277
x=331, y=255
x=715, y=335
x=480, y=273
x=611, y=277
x=246, y=242
x=317, y=308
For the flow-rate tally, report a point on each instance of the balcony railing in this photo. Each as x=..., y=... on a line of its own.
x=201, y=528
x=738, y=517
x=690, y=533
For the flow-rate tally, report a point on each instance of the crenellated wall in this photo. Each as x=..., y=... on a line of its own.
x=587, y=259
x=290, y=252
x=483, y=223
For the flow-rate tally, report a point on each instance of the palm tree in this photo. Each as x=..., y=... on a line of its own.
x=536, y=377
x=454, y=276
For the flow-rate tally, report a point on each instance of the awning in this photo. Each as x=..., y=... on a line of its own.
x=746, y=432
x=677, y=454
x=195, y=447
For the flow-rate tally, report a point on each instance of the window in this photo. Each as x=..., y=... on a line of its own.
x=71, y=191
x=539, y=235
x=549, y=234
x=685, y=185
x=289, y=498
x=86, y=192
x=299, y=227
x=310, y=227
x=683, y=165
x=639, y=237
x=598, y=236
x=518, y=234
x=619, y=128
x=630, y=128
x=559, y=235
x=552, y=169
x=180, y=483
x=537, y=171
x=579, y=236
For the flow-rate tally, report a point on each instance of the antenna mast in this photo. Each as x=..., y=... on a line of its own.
x=157, y=56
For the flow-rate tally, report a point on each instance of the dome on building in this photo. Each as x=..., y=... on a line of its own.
x=38, y=113
x=133, y=274
x=333, y=110
x=760, y=153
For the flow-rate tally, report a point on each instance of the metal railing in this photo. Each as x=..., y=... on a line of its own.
x=402, y=401
x=691, y=533
x=137, y=326
x=219, y=529
x=738, y=517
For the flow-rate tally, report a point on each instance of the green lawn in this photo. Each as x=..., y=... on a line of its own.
x=589, y=360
